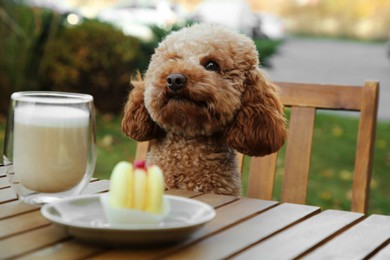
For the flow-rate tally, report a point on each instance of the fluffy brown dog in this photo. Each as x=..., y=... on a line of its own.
x=203, y=97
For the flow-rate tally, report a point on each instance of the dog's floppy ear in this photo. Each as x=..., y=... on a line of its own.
x=259, y=127
x=137, y=123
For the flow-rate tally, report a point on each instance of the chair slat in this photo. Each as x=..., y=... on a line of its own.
x=298, y=154
x=262, y=177
x=320, y=96
x=240, y=162
x=142, y=149
x=365, y=147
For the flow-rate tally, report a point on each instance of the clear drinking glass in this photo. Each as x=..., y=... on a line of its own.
x=50, y=147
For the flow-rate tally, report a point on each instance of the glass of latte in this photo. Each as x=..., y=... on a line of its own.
x=49, y=149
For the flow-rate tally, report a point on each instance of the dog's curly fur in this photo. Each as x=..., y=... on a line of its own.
x=196, y=130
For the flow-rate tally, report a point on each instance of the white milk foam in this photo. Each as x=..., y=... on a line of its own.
x=50, y=147
x=50, y=116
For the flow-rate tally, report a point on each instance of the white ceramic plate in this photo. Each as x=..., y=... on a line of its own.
x=83, y=217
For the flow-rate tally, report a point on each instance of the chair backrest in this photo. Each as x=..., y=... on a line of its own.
x=304, y=100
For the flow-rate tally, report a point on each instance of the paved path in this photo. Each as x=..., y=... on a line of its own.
x=334, y=61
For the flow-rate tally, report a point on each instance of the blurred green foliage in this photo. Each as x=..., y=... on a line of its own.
x=23, y=32
x=266, y=48
x=39, y=51
x=93, y=58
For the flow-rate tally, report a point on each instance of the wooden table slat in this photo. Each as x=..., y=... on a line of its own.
x=383, y=254
x=21, y=223
x=238, y=237
x=302, y=237
x=4, y=182
x=11, y=206
x=357, y=242
x=23, y=243
x=186, y=193
x=216, y=200
x=3, y=171
x=16, y=207
x=71, y=249
x=7, y=195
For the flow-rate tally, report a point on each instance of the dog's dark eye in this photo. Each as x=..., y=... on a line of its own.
x=211, y=65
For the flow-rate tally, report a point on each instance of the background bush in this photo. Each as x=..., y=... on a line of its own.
x=93, y=58
x=267, y=48
x=24, y=33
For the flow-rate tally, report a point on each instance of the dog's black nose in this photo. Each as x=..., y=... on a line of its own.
x=176, y=81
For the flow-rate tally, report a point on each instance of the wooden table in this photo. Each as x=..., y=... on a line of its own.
x=243, y=229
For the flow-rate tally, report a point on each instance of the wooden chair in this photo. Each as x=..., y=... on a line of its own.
x=304, y=100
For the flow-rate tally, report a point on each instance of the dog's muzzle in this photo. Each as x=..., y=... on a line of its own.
x=176, y=81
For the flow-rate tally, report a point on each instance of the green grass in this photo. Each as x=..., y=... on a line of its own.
x=331, y=164
x=112, y=145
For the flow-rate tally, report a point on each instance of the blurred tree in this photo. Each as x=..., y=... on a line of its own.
x=23, y=33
